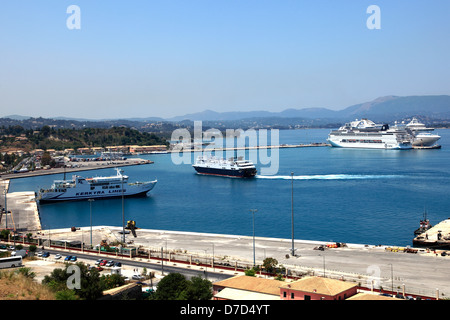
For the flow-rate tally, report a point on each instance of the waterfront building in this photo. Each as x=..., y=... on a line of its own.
x=317, y=288
x=247, y=288
x=308, y=288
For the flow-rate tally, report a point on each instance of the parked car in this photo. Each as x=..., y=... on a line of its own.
x=103, y=263
x=117, y=264
x=45, y=255
x=73, y=258
x=109, y=263
x=68, y=258
x=57, y=256
x=39, y=254
x=137, y=277
x=98, y=262
x=99, y=268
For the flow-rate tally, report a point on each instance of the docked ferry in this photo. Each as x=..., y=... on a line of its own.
x=233, y=167
x=80, y=188
x=365, y=133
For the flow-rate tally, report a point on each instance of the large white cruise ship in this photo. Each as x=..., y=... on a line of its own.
x=422, y=135
x=365, y=133
x=80, y=188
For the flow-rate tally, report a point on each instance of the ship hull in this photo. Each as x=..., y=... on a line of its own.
x=80, y=194
x=425, y=140
x=241, y=173
x=137, y=195
x=378, y=144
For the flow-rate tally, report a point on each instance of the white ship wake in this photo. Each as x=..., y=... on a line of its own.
x=330, y=177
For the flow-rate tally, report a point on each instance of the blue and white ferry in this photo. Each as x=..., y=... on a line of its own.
x=80, y=188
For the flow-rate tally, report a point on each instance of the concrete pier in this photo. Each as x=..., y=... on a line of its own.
x=22, y=210
x=282, y=146
x=437, y=237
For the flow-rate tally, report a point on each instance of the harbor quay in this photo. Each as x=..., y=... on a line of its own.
x=78, y=166
x=420, y=271
x=216, y=148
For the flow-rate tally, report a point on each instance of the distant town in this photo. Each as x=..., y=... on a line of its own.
x=23, y=150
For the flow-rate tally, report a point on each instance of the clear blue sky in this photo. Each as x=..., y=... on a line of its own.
x=171, y=57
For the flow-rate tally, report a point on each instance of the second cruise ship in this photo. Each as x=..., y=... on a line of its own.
x=423, y=135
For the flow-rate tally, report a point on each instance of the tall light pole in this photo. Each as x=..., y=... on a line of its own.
x=123, y=212
x=253, y=213
x=292, y=212
x=6, y=208
x=90, y=210
x=392, y=279
x=323, y=257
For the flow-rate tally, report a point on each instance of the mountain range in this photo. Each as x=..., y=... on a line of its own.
x=383, y=109
x=386, y=108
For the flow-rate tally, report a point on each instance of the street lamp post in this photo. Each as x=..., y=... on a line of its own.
x=6, y=209
x=253, y=213
x=90, y=210
x=323, y=258
x=123, y=213
x=292, y=212
x=392, y=278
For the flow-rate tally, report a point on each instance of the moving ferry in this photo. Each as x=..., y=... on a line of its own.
x=233, y=167
x=80, y=188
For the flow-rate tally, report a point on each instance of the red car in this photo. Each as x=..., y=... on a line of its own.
x=103, y=263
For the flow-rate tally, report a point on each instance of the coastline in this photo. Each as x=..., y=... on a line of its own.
x=84, y=166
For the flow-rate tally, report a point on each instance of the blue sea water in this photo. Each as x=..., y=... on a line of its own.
x=344, y=195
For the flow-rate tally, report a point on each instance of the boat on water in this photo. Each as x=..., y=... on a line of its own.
x=233, y=167
x=366, y=134
x=424, y=225
x=423, y=136
x=79, y=188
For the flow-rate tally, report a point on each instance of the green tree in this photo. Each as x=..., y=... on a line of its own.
x=90, y=285
x=56, y=280
x=175, y=287
x=110, y=281
x=171, y=287
x=198, y=289
x=270, y=265
x=250, y=272
x=4, y=234
x=46, y=159
x=66, y=295
x=32, y=248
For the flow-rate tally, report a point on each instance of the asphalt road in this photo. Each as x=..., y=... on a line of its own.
x=159, y=269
